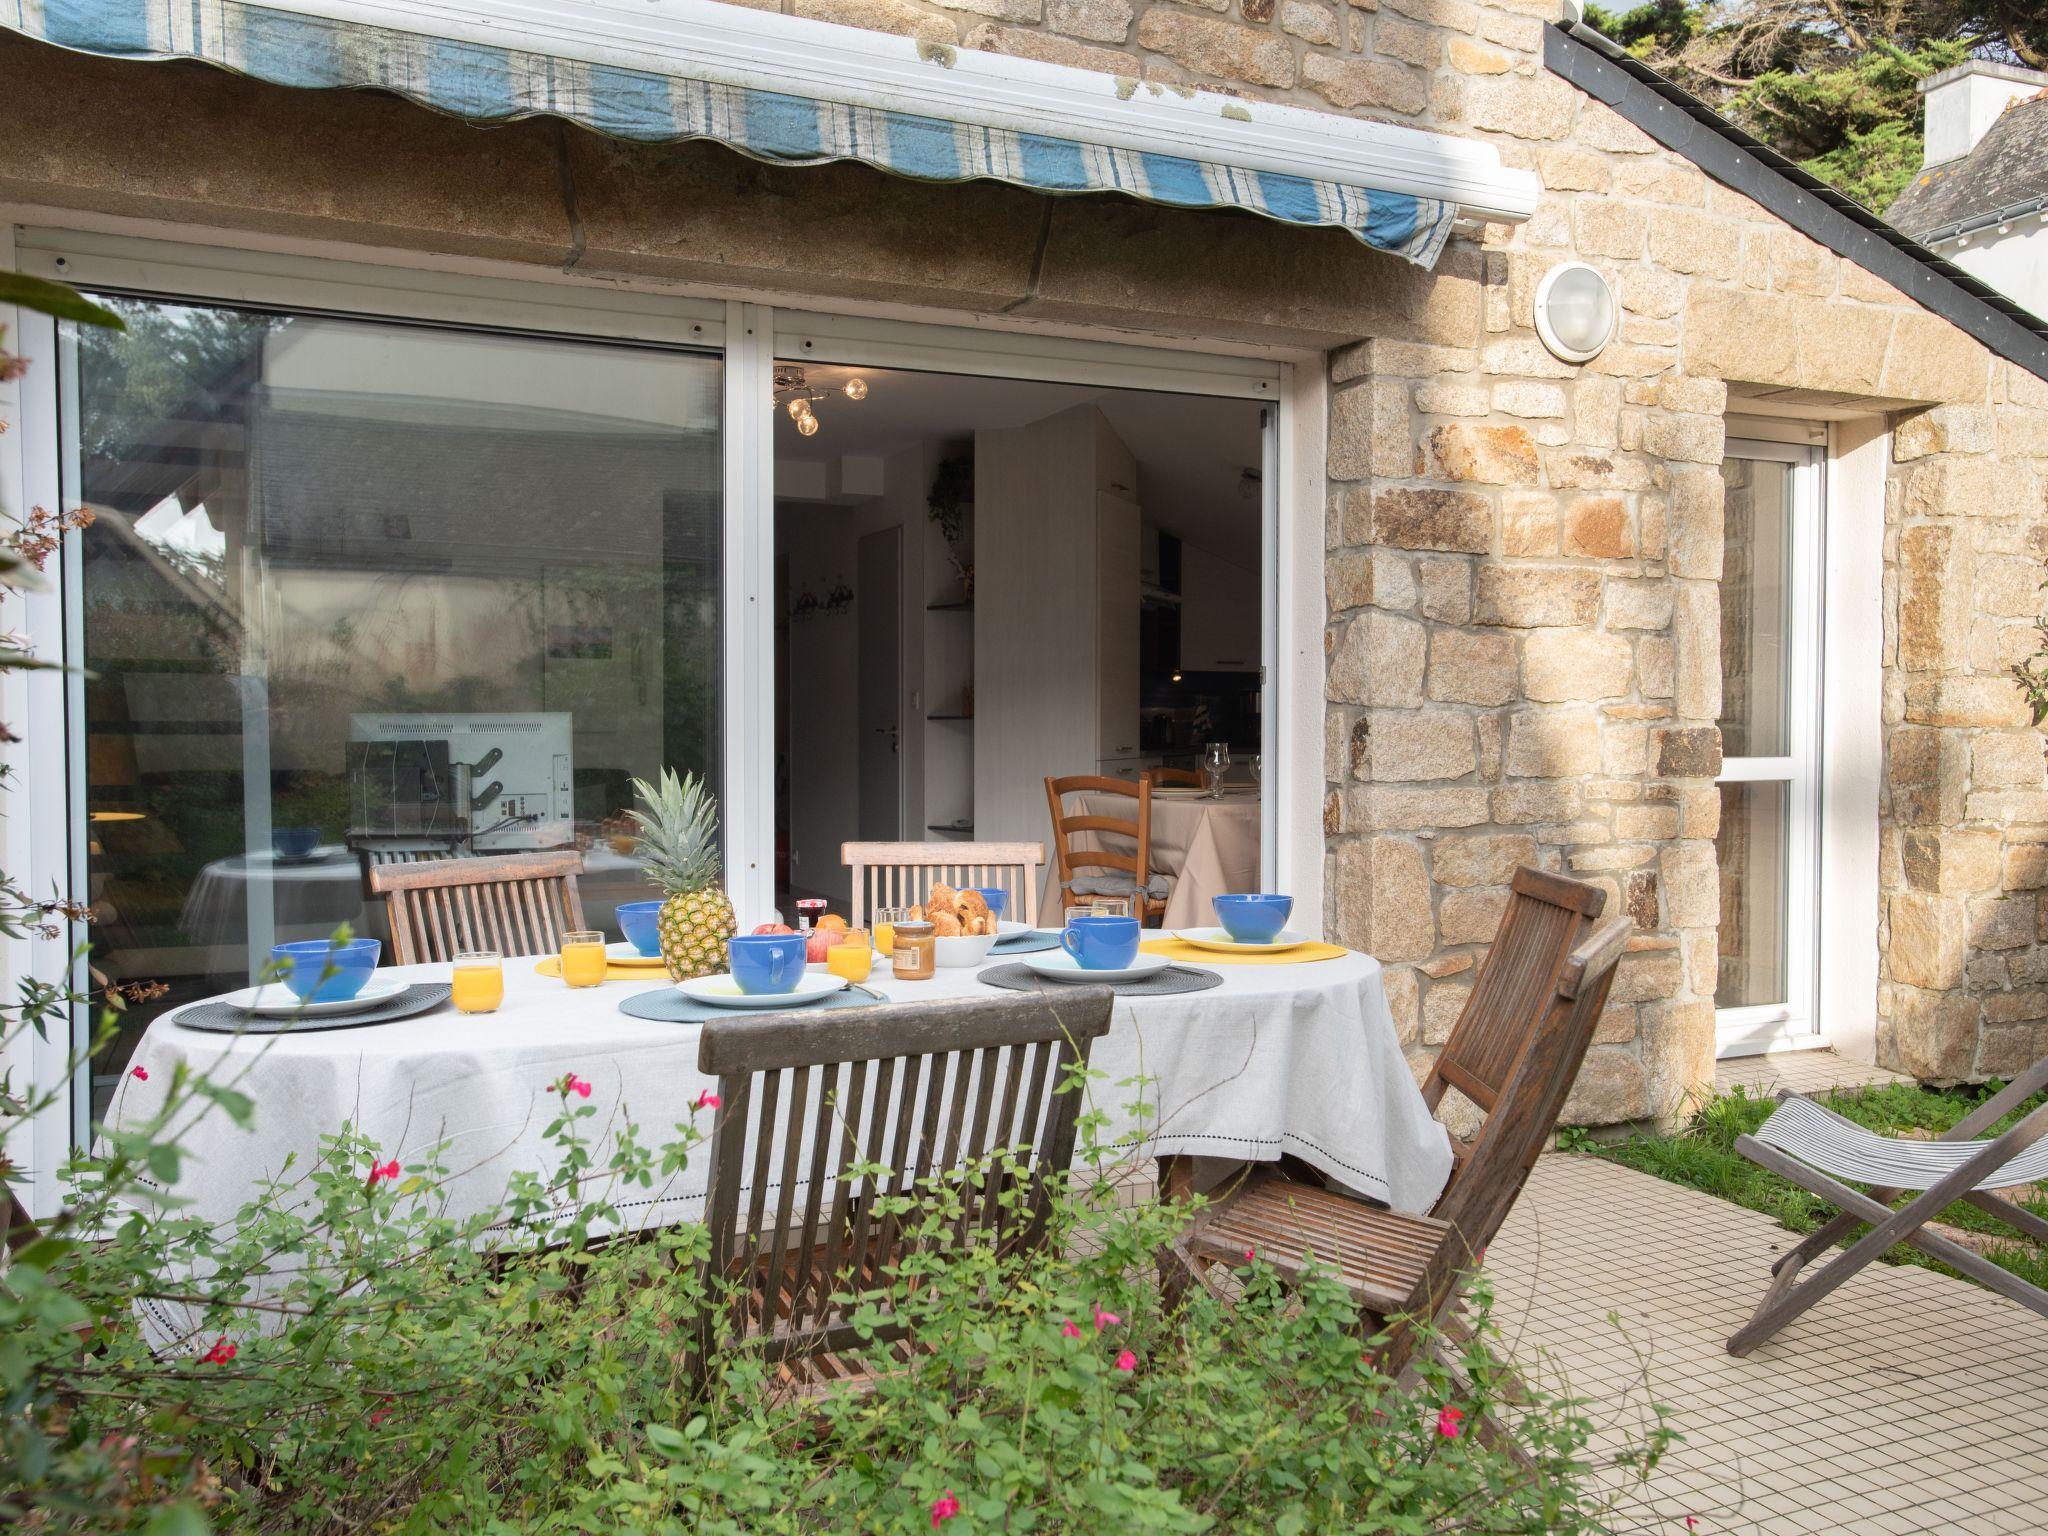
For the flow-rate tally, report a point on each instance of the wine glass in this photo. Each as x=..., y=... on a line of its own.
x=1258, y=764
x=1214, y=766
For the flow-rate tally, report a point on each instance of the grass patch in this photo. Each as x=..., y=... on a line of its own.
x=1702, y=1156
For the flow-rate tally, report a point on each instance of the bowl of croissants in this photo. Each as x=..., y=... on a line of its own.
x=965, y=928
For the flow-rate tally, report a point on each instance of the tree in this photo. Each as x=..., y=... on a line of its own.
x=1828, y=83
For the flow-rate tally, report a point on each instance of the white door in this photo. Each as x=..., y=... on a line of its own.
x=878, y=604
x=1769, y=839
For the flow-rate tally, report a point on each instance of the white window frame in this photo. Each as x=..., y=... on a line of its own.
x=43, y=825
x=1796, y=1022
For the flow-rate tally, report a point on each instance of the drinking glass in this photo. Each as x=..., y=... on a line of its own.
x=851, y=957
x=1258, y=765
x=477, y=983
x=1214, y=766
x=583, y=960
x=886, y=919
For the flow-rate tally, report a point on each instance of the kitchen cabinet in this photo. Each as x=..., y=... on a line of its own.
x=1219, y=614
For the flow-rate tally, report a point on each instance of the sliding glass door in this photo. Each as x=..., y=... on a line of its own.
x=1769, y=842
x=357, y=591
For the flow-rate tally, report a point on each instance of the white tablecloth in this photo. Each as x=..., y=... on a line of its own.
x=1298, y=1058
x=1206, y=847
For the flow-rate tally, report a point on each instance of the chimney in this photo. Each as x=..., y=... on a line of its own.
x=1963, y=103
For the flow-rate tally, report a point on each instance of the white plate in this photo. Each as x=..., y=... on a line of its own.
x=721, y=991
x=626, y=953
x=275, y=1000
x=1005, y=929
x=1219, y=940
x=1058, y=965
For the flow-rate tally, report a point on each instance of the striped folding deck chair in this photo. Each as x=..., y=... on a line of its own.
x=1817, y=1149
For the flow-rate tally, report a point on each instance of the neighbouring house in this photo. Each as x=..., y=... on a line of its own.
x=877, y=405
x=1981, y=198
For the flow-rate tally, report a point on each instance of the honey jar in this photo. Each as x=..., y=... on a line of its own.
x=914, y=951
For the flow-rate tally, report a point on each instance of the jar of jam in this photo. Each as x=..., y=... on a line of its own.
x=915, y=951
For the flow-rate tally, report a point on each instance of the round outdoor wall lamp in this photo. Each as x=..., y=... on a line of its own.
x=1575, y=311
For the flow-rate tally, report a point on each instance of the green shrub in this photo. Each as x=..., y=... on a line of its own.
x=357, y=1360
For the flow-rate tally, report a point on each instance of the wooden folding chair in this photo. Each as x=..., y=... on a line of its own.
x=1515, y=1052
x=902, y=874
x=515, y=903
x=1817, y=1149
x=1186, y=777
x=1086, y=872
x=924, y=1089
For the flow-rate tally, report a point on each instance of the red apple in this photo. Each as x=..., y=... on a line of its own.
x=821, y=939
x=775, y=928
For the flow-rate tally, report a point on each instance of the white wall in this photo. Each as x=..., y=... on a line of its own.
x=2016, y=264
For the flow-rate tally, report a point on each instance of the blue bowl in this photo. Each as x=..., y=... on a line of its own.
x=764, y=963
x=321, y=971
x=1102, y=943
x=1253, y=919
x=294, y=842
x=637, y=923
x=998, y=900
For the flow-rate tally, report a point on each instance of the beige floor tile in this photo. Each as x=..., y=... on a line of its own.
x=1867, y=1414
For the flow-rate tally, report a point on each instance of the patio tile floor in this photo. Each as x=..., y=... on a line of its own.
x=1801, y=1071
x=1906, y=1401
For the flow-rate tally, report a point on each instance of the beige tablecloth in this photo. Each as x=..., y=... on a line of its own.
x=1206, y=848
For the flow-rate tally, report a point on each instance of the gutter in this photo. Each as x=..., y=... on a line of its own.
x=1962, y=229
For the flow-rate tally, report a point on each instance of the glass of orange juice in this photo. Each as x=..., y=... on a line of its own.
x=583, y=960
x=478, y=981
x=852, y=957
x=886, y=919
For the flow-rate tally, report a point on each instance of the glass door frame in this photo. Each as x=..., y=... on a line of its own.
x=1761, y=1027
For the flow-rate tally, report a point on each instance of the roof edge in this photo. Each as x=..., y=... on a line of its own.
x=1687, y=126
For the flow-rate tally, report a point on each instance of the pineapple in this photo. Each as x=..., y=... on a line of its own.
x=679, y=848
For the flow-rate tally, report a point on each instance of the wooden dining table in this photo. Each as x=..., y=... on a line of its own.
x=1206, y=847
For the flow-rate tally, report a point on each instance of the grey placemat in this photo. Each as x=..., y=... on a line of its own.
x=665, y=1005
x=227, y=1019
x=1026, y=943
x=1166, y=983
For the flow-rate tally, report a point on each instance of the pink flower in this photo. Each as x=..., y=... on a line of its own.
x=945, y=1507
x=573, y=1084
x=1692, y=1522
x=381, y=1171
x=221, y=1353
x=140, y=1074
x=1068, y=1330
x=1104, y=1319
x=379, y=1415
x=1250, y=1254
x=1127, y=1361
x=707, y=1100
x=1448, y=1421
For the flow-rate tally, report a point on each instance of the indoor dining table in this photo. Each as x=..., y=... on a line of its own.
x=1205, y=846
x=1300, y=1058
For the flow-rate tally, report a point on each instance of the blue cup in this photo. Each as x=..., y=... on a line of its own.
x=765, y=963
x=294, y=842
x=1253, y=919
x=1101, y=943
x=637, y=921
x=322, y=971
x=998, y=900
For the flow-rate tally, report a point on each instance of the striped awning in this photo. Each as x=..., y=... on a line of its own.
x=484, y=77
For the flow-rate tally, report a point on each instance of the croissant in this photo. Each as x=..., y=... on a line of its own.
x=946, y=925
x=971, y=904
x=942, y=898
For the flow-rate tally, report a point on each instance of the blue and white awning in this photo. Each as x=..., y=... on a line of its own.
x=800, y=92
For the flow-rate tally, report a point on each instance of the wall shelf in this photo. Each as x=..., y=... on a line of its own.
x=964, y=605
x=963, y=829
x=968, y=718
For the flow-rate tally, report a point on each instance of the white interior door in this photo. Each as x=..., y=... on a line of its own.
x=1769, y=839
x=878, y=603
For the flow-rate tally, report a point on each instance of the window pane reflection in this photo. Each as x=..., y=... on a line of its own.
x=360, y=591
x=1756, y=612
x=1752, y=845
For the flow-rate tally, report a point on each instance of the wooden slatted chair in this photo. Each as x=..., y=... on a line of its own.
x=1515, y=1052
x=1086, y=872
x=1185, y=777
x=920, y=1088
x=902, y=874
x=515, y=903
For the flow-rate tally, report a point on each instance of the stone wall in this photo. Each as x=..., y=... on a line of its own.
x=1524, y=557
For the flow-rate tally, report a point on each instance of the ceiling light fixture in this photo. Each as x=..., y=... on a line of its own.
x=794, y=393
